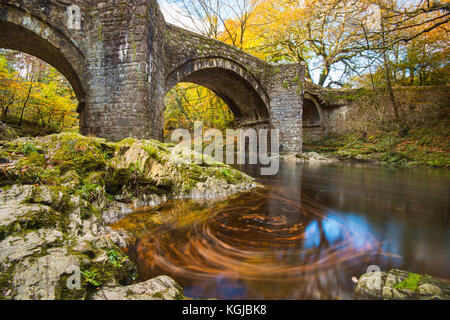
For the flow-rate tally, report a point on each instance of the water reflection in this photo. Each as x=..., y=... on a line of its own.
x=302, y=237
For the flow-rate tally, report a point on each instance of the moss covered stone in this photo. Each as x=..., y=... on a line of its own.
x=53, y=191
x=84, y=164
x=402, y=285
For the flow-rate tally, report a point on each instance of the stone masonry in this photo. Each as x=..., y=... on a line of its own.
x=125, y=58
x=326, y=111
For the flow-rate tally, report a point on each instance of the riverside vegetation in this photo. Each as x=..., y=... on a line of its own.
x=423, y=147
x=56, y=194
x=371, y=133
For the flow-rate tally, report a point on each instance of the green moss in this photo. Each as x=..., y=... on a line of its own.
x=33, y=220
x=116, y=178
x=127, y=142
x=91, y=277
x=189, y=185
x=75, y=152
x=410, y=283
x=29, y=149
x=62, y=292
x=95, y=178
x=158, y=295
x=116, y=258
x=117, y=269
x=351, y=95
x=98, y=274
x=6, y=280
x=230, y=176
x=91, y=192
x=55, y=197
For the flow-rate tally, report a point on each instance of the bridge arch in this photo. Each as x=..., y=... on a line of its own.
x=312, y=111
x=313, y=118
x=241, y=91
x=27, y=33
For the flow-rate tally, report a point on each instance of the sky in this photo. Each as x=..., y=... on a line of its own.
x=174, y=13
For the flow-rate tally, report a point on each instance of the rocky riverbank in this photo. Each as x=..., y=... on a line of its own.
x=427, y=147
x=57, y=194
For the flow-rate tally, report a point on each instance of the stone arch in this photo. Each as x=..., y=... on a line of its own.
x=29, y=34
x=237, y=87
x=312, y=111
x=312, y=118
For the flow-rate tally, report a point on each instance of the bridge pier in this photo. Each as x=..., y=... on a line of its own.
x=286, y=105
x=125, y=84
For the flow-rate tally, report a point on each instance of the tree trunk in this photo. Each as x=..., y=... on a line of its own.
x=26, y=100
x=324, y=75
x=388, y=75
x=6, y=109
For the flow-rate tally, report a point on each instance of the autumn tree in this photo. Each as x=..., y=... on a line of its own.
x=320, y=33
x=32, y=90
x=10, y=85
x=214, y=18
x=187, y=103
x=220, y=19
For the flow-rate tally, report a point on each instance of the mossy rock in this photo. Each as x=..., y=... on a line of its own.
x=63, y=182
x=402, y=285
x=6, y=132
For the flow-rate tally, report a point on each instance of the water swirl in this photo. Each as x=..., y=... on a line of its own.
x=267, y=234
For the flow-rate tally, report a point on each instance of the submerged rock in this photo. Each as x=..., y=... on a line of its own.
x=402, y=285
x=311, y=158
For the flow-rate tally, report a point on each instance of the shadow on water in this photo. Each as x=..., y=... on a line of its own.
x=304, y=236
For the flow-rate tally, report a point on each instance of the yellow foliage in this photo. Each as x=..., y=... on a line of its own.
x=32, y=90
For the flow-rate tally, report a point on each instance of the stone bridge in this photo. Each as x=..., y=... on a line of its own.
x=124, y=58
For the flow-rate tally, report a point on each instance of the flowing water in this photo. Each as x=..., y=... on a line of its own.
x=303, y=236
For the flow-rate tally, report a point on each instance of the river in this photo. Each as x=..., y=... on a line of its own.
x=305, y=235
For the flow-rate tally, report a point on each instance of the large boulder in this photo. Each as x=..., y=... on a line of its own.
x=6, y=132
x=119, y=177
x=45, y=234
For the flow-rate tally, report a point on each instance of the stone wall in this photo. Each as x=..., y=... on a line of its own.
x=124, y=83
x=337, y=106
